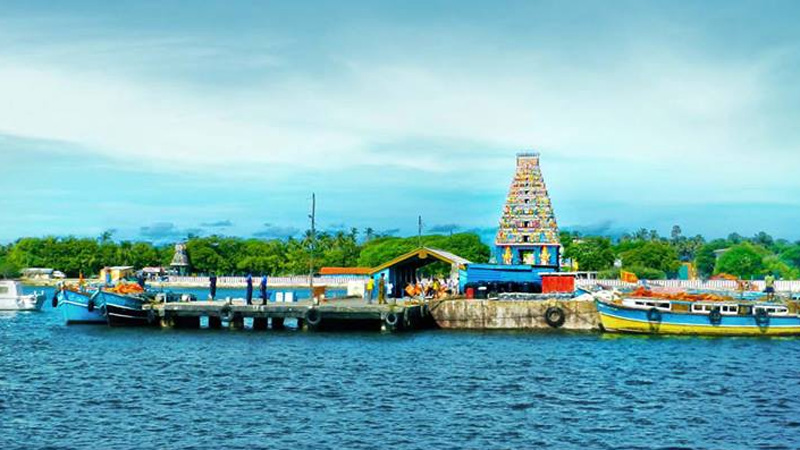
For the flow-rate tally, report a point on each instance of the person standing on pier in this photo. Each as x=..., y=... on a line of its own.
x=264, y=297
x=769, y=286
x=249, y=295
x=369, y=290
x=212, y=287
x=382, y=289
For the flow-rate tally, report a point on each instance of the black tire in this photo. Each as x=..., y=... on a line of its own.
x=654, y=315
x=54, y=302
x=90, y=305
x=715, y=316
x=151, y=317
x=313, y=317
x=226, y=314
x=762, y=317
x=555, y=317
x=392, y=319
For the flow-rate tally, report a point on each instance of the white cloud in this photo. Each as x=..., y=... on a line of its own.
x=650, y=108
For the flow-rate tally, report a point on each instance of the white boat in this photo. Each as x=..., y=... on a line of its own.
x=13, y=299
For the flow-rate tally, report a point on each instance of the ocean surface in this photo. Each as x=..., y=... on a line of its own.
x=96, y=387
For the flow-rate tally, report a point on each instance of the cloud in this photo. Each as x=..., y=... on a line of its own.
x=218, y=224
x=672, y=103
x=445, y=228
x=162, y=231
x=276, y=232
x=389, y=232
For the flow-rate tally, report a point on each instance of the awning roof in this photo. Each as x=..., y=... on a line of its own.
x=423, y=253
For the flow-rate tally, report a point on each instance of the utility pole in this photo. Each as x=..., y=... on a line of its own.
x=419, y=231
x=313, y=217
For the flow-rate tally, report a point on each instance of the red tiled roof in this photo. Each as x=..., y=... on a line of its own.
x=345, y=271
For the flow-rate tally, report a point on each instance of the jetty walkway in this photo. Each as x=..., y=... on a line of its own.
x=336, y=314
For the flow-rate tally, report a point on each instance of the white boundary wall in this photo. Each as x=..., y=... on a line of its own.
x=296, y=281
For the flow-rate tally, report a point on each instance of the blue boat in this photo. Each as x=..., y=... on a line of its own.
x=126, y=310
x=79, y=307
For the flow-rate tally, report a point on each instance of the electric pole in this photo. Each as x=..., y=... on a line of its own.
x=313, y=217
x=419, y=231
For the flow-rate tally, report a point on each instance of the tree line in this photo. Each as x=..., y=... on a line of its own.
x=228, y=255
x=645, y=253
x=651, y=256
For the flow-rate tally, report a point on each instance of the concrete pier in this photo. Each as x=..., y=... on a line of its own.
x=342, y=315
x=544, y=314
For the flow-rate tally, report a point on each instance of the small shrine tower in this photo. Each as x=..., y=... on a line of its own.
x=528, y=232
x=180, y=260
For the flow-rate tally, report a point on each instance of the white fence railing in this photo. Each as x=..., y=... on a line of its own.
x=333, y=280
x=782, y=286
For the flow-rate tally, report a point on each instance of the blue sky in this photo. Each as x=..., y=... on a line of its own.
x=159, y=118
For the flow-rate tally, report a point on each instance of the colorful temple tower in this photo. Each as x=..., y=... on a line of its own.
x=528, y=232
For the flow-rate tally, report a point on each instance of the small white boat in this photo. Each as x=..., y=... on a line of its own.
x=13, y=299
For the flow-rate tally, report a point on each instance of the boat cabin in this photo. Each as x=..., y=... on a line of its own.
x=647, y=303
x=726, y=309
x=10, y=288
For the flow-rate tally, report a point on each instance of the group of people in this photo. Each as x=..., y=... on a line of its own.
x=380, y=286
x=264, y=295
x=425, y=288
x=431, y=288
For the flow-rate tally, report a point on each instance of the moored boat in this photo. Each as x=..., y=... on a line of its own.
x=722, y=316
x=12, y=297
x=126, y=310
x=81, y=307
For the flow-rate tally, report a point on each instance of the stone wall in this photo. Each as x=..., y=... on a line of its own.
x=513, y=315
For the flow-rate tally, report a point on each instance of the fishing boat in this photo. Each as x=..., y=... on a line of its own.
x=126, y=309
x=79, y=306
x=12, y=297
x=707, y=315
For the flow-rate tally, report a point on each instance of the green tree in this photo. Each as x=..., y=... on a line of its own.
x=656, y=255
x=706, y=259
x=592, y=253
x=744, y=260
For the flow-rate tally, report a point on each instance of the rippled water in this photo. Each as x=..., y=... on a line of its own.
x=96, y=387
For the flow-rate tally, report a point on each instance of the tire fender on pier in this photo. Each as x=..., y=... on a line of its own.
x=226, y=314
x=392, y=320
x=313, y=317
x=555, y=317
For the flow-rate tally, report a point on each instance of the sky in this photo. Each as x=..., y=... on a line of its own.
x=158, y=119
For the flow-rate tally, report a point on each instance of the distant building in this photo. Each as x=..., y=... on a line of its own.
x=41, y=273
x=180, y=261
x=115, y=273
x=528, y=233
x=152, y=273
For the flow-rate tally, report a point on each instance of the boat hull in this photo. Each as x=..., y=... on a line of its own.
x=620, y=319
x=74, y=308
x=22, y=303
x=125, y=311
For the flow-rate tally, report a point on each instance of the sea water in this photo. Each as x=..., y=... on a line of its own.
x=100, y=387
